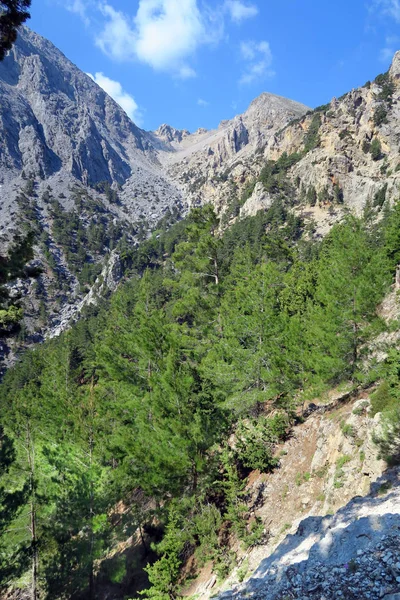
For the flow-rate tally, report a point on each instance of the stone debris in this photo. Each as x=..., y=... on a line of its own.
x=352, y=555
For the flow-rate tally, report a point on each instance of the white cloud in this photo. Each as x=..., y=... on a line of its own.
x=258, y=56
x=163, y=34
x=203, y=103
x=390, y=8
x=240, y=11
x=117, y=38
x=79, y=8
x=391, y=45
x=115, y=90
x=186, y=72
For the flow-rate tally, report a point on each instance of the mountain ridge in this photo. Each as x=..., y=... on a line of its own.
x=72, y=155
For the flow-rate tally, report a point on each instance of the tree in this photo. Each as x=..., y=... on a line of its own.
x=11, y=504
x=312, y=196
x=12, y=14
x=376, y=149
x=23, y=419
x=352, y=278
x=243, y=361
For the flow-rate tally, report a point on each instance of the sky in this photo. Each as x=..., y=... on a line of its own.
x=193, y=63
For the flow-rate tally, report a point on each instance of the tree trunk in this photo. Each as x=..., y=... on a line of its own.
x=35, y=557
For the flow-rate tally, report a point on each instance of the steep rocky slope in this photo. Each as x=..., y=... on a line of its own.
x=349, y=161
x=330, y=503
x=352, y=554
x=76, y=170
x=59, y=128
x=343, y=155
x=200, y=162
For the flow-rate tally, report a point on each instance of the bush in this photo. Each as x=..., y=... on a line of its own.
x=247, y=191
x=256, y=442
x=380, y=196
x=382, y=399
x=311, y=196
x=388, y=440
x=380, y=115
x=366, y=147
x=382, y=79
x=376, y=149
x=338, y=194
x=312, y=139
x=10, y=316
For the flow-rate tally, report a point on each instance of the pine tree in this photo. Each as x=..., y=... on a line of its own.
x=12, y=501
x=352, y=277
x=12, y=14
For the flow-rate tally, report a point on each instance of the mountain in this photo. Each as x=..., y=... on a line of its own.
x=76, y=170
x=201, y=162
x=212, y=389
x=342, y=156
x=60, y=128
x=90, y=184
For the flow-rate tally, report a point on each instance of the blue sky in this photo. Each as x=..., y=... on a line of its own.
x=192, y=63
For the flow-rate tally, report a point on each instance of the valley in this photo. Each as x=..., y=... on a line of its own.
x=199, y=335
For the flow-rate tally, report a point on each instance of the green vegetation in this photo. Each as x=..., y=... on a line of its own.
x=11, y=267
x=386, y=98
x=380, y=115
x=380, y=197
x=148, y=415
x=387, y=88
x=13, y=14
x=376, y=149
x=274, y=174
x=312, y=139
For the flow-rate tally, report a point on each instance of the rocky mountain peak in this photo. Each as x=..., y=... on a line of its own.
x=394, y=70
x=170, y=134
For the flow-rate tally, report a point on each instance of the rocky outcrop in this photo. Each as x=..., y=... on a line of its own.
x=351, y=555
x=170, y=134
x=107, y=282
x=394, y=70
x=203, y=161
x=259, y=200
x=59, y=127
x=330, y=497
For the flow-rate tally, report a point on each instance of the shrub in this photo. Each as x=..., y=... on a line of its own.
x=243, y=570
x=376, y=149
x=311, y=196
x=380, y=196
x=338, y=194
x=348, y=430
x=10, y=316
x=388, y=440
x=382, y=399
x=366, y=147
x=380, y=115
x=256, y=442
x=312, y=139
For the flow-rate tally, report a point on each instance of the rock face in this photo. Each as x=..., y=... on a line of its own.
x=331, y=514
x=54, y=117
x=67, y=146
x=57, y=125
x=394, y=70
x=202, y=162
x=170, y=134
x=353, y=554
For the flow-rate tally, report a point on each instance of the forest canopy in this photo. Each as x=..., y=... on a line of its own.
x=212, y=336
